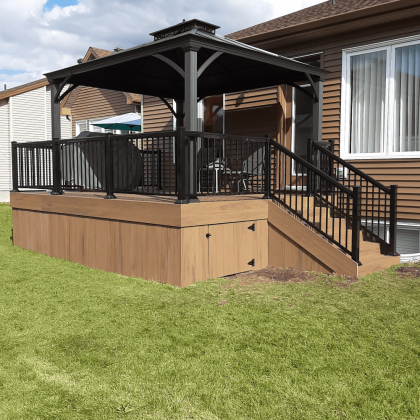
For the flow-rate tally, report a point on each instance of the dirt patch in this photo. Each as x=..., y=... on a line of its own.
x=288, y=275
x=409, y=271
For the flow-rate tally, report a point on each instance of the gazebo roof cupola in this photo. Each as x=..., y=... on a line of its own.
x=185, y=26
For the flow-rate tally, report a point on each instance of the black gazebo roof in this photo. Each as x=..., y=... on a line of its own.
x=157, y=68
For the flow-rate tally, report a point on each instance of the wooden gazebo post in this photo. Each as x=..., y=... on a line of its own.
x=56, y=135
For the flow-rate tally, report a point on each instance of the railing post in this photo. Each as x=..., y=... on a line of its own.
x=182, y=172
x=355, y=230
x=267, y=169
x=393, y=221
x=109, y=168
x=308, y=173
x=56, y=158
x=15, y=180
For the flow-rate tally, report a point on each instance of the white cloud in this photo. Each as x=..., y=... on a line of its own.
x=34, y=42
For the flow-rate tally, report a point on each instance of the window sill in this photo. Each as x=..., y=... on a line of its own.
x=374, y=156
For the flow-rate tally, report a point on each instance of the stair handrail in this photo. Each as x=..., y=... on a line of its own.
x=390, y=248
x=312, y=167
x=353, y=199
x=351, y=167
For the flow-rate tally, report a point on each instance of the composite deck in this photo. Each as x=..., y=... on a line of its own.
x=153, y=238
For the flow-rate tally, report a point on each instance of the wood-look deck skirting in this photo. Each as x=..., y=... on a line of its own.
x=153, y=238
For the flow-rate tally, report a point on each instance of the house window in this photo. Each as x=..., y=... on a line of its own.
x=212, y=115
x=381, y=101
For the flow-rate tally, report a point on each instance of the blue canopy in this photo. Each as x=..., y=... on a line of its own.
x=125, y=122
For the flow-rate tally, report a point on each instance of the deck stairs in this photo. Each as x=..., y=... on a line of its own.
x=372, y=259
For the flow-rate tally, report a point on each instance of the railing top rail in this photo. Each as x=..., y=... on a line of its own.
x=313, y=168
x=351, y=167
x=81, y=140
x=225, y=136
x=32, y=143
x=154, y=134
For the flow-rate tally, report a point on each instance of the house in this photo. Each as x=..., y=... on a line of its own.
x=88, y=105
x=371, y=50
x=25, y=115
x=201, y=202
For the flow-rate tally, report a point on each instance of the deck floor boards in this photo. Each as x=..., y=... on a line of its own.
x=154, y=198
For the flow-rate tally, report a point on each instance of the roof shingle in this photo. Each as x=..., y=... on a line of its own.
x=310, y=14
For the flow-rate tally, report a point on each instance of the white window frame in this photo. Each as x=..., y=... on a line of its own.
x=388, y=133
x=293, y=140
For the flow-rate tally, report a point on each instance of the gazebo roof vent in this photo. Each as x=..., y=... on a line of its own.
x=185, y=26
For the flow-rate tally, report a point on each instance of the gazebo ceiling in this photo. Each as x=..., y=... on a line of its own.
x=156, y=68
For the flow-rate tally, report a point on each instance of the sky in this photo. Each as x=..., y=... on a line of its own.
x=37, y=36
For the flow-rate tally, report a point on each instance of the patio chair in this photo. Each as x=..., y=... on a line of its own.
x=252, y=168
x=208, y=163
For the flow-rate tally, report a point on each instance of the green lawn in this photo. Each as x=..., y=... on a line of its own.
x=78, y=343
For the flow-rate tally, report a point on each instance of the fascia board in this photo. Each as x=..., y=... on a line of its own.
x=189, y=40
x=321, y=24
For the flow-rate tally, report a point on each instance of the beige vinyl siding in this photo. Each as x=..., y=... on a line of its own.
x=5, y=184
x=257, y=122
x=251, y=99
x=92, y=103
x=156, y=115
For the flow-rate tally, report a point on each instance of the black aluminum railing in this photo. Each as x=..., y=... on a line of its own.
x=187, y=164
x=377, y=202
x=191, y=164
x=331, y=209
x=32, y=165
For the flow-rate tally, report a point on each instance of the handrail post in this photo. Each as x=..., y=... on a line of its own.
x=182, y=172
x=109, y=168
x=267, y=169
x=393, y=221
x=308, y=174
x=15, y=180
x=56, y=158
x=355, y=231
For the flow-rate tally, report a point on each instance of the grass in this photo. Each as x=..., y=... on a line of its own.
x=78, y=343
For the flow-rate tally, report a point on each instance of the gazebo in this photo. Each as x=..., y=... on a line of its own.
x=187, y=62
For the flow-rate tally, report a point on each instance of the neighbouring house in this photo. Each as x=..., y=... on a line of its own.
x=371, y=106
x=88, y=105
x=25, y=115
x=235, y=186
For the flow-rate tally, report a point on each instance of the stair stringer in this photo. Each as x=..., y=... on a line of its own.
x=304, y=247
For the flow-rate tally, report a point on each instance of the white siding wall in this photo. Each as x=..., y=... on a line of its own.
x=27, y=117
x=4, y=154
x=65, y=127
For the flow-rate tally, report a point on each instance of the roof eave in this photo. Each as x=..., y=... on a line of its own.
x=329, y=21
x=190, y=39
x=18, y=90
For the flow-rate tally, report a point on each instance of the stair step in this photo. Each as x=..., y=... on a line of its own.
x=370, y=252
x=375, y=263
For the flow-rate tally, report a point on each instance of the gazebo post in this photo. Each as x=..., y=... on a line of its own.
x=179, y=113
x=56, y=135
x=317, y=105
x=190, y=106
